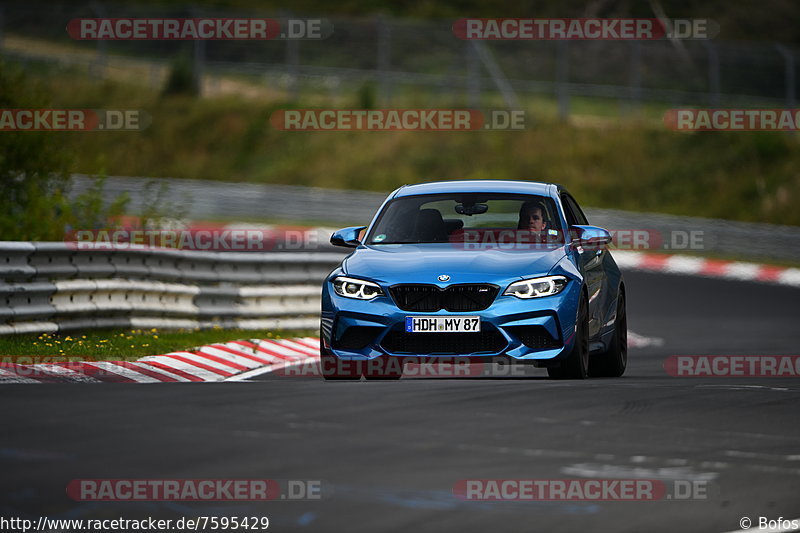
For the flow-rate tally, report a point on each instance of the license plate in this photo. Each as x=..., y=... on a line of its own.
x=443, y=324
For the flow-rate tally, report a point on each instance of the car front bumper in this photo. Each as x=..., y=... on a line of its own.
x=536, y=329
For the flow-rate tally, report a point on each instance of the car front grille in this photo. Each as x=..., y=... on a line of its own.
x=536, y=337
x=488, y=340
x=455, y=298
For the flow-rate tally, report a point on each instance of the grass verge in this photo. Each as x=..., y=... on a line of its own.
x=121, y=345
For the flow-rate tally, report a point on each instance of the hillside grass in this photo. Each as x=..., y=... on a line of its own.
x=606, y=159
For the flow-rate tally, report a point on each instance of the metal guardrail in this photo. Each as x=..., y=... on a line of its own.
x=52, y=286
x=213, y=200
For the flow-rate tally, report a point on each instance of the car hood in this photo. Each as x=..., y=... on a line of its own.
x=424, y=263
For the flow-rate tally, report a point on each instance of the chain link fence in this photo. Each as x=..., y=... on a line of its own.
x=420, y=62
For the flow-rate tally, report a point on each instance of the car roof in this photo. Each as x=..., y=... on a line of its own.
x=501, y=186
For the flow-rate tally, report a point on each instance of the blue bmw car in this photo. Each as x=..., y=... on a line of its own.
x=476, y=269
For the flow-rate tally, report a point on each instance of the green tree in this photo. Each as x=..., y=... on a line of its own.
x=34, y=174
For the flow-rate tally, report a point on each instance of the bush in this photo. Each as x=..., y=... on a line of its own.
x=34, y=174
x=181, y=78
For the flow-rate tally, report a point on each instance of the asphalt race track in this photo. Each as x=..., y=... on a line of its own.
x=389, y=453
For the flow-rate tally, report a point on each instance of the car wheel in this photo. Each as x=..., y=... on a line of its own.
x=575, y=366
x=612, y=362
x=334, y=369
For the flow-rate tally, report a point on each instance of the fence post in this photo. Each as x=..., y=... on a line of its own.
x=713, y=73
x=473, y=76
x=562, y=79
x=199, y=59
x=384, y=60
x=636, y=76
x=500, y=81
x=98, y=69
x=789, y=77
x=292, y=60
x=2, y=26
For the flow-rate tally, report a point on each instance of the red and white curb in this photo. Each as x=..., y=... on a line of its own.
x=215, y=362
x=713, y=268
x=230, y=361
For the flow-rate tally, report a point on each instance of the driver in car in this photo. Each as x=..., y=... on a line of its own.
x=532, y=218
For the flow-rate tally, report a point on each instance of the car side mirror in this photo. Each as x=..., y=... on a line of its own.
x=589, y=236
x=347, y=237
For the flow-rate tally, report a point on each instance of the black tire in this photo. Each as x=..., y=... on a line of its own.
x=334, y=369
x=576, y=365
x=612, y=362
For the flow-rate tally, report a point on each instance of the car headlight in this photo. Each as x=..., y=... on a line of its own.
x=537, y=287
x=356, y=288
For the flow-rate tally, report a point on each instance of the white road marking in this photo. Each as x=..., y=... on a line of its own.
x=756, y=455
x=593, y=470
x=640, y=341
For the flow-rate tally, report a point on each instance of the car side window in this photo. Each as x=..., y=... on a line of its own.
x=575, y=216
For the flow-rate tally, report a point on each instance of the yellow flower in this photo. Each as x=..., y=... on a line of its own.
x=155, y=336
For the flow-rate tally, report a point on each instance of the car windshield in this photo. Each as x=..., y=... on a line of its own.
x=467, y=217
